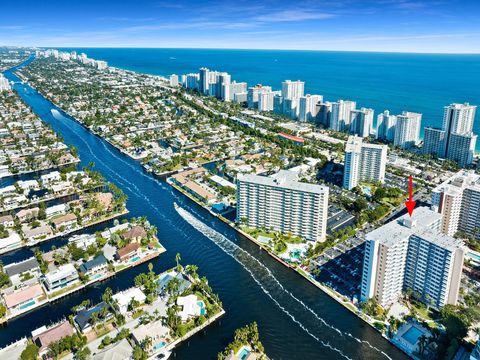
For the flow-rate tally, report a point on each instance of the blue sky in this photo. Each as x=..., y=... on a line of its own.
x=446, y=26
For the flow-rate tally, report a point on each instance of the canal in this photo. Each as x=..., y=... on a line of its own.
x=296, y=320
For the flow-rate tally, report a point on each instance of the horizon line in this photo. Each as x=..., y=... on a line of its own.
x=243, y=49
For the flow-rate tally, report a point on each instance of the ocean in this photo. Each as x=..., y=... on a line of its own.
x=422, y=83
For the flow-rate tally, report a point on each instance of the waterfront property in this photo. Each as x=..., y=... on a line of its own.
x=136, y=320
x=412, y=253
x=49, y=276
x=283, y=204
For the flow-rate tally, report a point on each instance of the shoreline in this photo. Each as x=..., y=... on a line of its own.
x=29, y=244
x=83, y=286
x=325, y=289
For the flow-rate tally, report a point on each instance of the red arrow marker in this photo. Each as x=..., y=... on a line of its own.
x=410, y=204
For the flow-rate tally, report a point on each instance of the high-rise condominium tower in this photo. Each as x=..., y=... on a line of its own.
x=283, y=204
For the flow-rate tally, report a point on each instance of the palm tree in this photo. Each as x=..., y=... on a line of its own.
x=192, y=270
x=107, y=295
x=422, y=343
x=147, y=342
x=177, y=259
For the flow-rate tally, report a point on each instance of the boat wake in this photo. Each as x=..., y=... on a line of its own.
x=266, y=280
x=263, y=276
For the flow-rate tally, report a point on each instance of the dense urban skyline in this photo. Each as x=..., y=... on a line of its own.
x=366, y=25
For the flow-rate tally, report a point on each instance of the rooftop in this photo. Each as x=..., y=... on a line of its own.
x=283, y=179
x=420, y=224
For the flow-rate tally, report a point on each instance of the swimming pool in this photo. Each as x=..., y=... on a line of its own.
x=203, y=311
x=244, y=353
x=136, y=258
x=412, y=335
x=158, y=346
x=30, y=303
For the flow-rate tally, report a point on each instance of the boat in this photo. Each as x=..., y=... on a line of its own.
x=164, y=355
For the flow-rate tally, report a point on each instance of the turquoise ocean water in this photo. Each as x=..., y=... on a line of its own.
x=422, y=83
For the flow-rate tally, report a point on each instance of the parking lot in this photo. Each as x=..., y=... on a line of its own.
x=341, y=267
x=338, y=219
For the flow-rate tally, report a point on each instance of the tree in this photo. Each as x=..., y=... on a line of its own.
x=30, y=352
x=422, y=343
x=107, y=295
x=83, y=354
x=192, y=271
x=177, y=259
x=139, y=353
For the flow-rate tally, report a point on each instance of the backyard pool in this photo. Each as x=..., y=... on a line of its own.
x=158, y=346
x=244, y=353
x=30, y=303
x=136, y=258
x=203, y=311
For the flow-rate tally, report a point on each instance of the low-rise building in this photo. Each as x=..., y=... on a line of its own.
x=16, y=270
x=128, y=252
x=44, y=336
x=95, y=267
x=24, y=298
x=64, y=276
x=124, y=298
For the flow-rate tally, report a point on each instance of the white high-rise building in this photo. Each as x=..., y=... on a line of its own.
x=458, y=200
x=283, y=204
x=461, y=148
x=292, y=89
x=458, y=141
x=434, y=141
x=308, y=107
x=386, y=126
x=324, y=112
x=361, y=122
x=223, y=85
x=410, y=253
x=340, y=114
x=236, y=88
x=173, y=80
x=407, y=131
x=363, y=162
x=4, y=84
x=265, y=100
x=253, y=94
x=458, y=118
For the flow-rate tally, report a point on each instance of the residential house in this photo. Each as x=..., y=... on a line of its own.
x=56, y=210
x=128, y=252
x=124, y=298
x=7, y=221
x=67, y=221
x=36, y=233
x=16, y=270
x=94, y=268
x=44, y=336
x=191, y=307
x=135, y=234
x=60, y=278
x=83, y=318
x=27, y=214
x=21, y=300
x=11, y=242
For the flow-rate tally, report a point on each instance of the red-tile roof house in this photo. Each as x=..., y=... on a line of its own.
x=55, y=333
x=127, y=252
